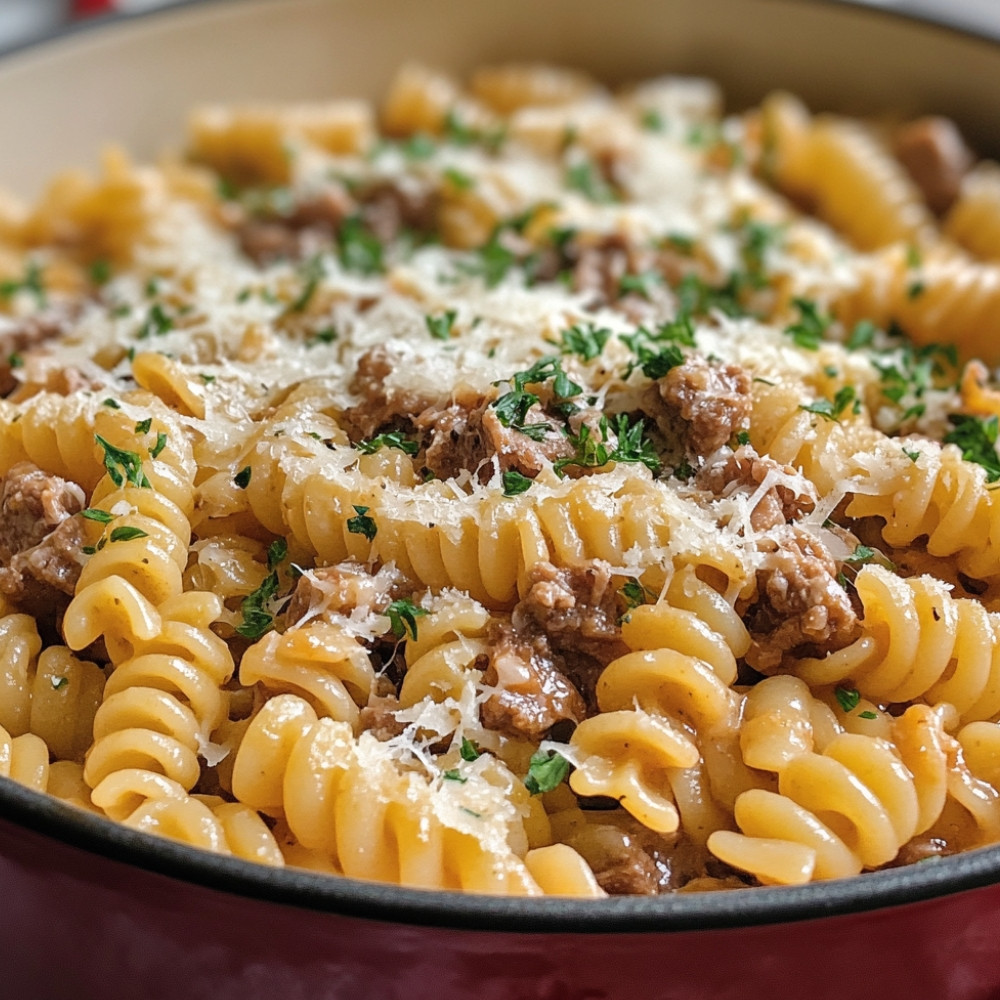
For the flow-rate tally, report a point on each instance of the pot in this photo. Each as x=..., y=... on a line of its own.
x=95, y=910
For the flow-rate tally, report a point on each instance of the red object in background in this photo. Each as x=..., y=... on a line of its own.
x=84, y=8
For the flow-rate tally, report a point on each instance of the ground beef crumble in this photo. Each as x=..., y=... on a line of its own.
x=799, y=604
x=41, y=542
x=712, y=399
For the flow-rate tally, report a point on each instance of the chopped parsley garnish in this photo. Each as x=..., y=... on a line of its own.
x=546, y=771
x=867, y=715
x=391, y=439
x=419, y=146
x=161, y=443
x=697, y=298
x=100, y=271
x=977, y=437
x=31, y=283
x=812, y=325
x=454, y=775
x=639, y=284
x=515, y=483
x=834, y=409
x=493, y=262
x=585, y=178
x=911, y=455
x=861, y=335
x=848, y=698
x=112, y=404
x=512, y=407
x=457, y=179
x=156, y=324
x=362, y=524
x=460, y=134
x=469, y=751
x=312, y=273
x=742, y=437
x=276, y=552
x=96, y=514
x=126, y=532
x=439, y=327
x=325, y=336
x=593, y=453
x=359, y=249
x=757, y=238
x=15, y=360
x=58, y=683
x=144, y=426
x=242, y=478
x=402, y=615
x=634, y=593
x=651, y=120
x=256, y=608
x=585, y=340
x=122, y=466
x=865, y=554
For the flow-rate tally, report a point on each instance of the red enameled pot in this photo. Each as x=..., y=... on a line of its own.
x=92, y=910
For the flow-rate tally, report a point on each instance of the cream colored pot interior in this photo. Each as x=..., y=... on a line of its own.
x=133, y=81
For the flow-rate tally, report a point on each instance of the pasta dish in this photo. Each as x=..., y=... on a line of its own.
x=515, y=487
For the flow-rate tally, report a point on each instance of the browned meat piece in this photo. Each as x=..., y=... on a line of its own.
x=22, y=336
x=381, y=406
x=577, y=609
x=32, y=503
x=712, y=397
x=601, y=268
x=266, y=239
x=464, y=437
x=342, y=589
x=532, y=694
x=799, y=604
x=378, y=718
x=744, y=471
x=935, y=156
x=389, y=207
x=53, y=564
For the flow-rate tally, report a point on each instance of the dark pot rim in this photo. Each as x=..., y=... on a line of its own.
x=306, y=890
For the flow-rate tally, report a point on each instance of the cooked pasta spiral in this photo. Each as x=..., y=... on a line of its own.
x=314, y=773
x=918, y=642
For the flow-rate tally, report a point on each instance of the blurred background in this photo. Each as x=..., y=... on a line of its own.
x=23, y=21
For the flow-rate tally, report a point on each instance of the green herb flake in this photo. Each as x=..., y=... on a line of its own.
x=469, y=751
x=546, y=771
x=633, y=593
x=112, y=404
x=122, y=466
x=242, y=478
x=639, y=284
x=100, y=271
x=255, y=607
x=847, y=698
x=586, y=179
x=58, y=683
x=514, y=483
x=742, y=437
x=126, y=533
x=834, y=409
x=868, y=715
x=325, y=336
x=459, y=180
x=391, y=439
x=977, y=438
x=808, y=332
x=276, y=552
x=31, y=283
x=440, y=327
x=402, y=615
x=592, y=453
x=453, y=775
x=911, y=455
x=362, y=524
x=419, y=146
x=144, y=426
x=96, y=514
x=360, y=250
x=585, y=340
x=161, y=443
x=156, y=324
x=651, y=120
x=862, y=334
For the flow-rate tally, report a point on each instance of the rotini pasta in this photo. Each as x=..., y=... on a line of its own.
x=517, y=487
